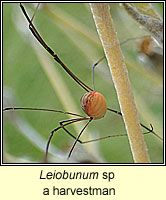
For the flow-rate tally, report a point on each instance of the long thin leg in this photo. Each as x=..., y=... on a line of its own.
x=102, y=138
x=35, y=11
x=62, y=125
x=68, y=122
x=76, y=120
x=71, y=121
x=93, y=68
x=111, y=136
x=69, y=113
x=41, y=109
x=76, y=140
x=119, y=113
x=121, y=43
x=50, y=51
x=151, y=131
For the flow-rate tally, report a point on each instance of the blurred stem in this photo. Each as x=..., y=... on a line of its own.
x=64, y=19
x=107, y=34
x=153, y=25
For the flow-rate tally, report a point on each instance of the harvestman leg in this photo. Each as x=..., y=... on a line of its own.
x=41, y=41
x=35, y=12
x=145, y=127
x=76, y=140
x=71, y=121
x=67, y=122
x=62, y=125
x=101, y=138
x=50, y=51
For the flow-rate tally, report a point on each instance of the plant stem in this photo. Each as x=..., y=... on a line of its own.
x=108, y=37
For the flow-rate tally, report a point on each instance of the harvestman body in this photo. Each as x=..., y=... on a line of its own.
x=93, y=103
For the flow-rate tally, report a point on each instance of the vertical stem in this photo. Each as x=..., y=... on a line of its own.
x=107, y=34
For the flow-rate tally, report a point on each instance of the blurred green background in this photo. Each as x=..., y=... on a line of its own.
x=28, y=81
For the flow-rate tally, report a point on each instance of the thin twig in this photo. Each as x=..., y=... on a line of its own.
x=107, y=34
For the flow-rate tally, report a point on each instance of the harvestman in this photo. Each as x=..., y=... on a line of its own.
x=93, y=103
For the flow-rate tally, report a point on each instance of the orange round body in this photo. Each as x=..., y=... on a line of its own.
x=94, y=104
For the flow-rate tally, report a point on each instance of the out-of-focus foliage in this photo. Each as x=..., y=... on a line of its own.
x=147, y=9
x=148, y=18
